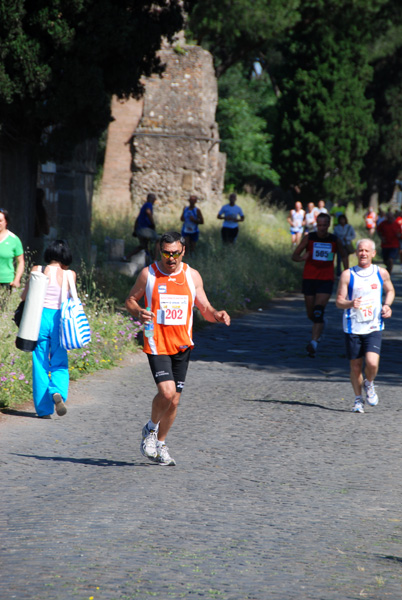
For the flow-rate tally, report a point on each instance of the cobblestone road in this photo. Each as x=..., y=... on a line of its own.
x=279, y=493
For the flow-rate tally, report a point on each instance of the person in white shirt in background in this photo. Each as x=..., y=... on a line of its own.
x=232, y=215
x=295, y=220
x=310, y=218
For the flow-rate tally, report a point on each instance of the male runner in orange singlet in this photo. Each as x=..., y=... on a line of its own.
x=170, y=289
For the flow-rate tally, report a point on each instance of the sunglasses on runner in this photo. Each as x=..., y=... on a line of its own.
x=171, y=254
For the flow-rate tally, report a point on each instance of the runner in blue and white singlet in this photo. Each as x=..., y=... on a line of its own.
x=365, y=293
x=366, y=284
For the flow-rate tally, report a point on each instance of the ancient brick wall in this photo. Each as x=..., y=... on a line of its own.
x=117, y=174
x=176, y=144
x=169, y=142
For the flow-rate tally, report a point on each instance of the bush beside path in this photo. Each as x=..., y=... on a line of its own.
x=279, y=492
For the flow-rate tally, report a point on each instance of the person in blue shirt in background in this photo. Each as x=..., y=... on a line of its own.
x=191, y=218
x=232, y=215
x=144, y=226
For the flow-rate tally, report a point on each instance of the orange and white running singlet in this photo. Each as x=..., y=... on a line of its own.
x=171, y=299
x=370, y=219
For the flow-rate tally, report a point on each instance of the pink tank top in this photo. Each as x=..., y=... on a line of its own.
x=53, y=294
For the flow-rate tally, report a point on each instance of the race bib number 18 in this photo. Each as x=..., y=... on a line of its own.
x=322, y=251
x=173, y=310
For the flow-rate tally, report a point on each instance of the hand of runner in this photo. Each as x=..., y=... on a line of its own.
x=145, y=315
x=386, y=311
x=356, y=302
x=221, y=316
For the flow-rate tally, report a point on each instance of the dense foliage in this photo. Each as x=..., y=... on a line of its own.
x=326, y=119
x=244, y=105
x=335, y=68
x=236, y=31
x=61, y=60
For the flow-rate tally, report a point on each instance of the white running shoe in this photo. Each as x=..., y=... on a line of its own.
x=358, y=407
x=148, y=443
x=371, y=395
x=164, y=457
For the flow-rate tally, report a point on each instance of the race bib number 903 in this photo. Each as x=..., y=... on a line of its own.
x=322, y=251
x=173, y=310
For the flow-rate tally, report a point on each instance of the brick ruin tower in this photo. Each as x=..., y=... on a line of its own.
x=174, y=138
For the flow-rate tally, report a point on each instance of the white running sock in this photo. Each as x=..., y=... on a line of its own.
x=152, y=426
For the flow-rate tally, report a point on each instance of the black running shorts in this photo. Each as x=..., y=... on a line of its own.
x=170, y=367
x=311, y=287
x=358, y=345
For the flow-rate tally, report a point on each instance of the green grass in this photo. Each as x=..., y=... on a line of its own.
x=245, y=275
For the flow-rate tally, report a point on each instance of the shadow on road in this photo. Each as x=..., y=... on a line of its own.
x=295, y=403
x=18, y=413
x=95, y=462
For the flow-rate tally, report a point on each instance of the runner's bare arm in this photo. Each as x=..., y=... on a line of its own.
x=135, y=294
x=201, y=301
x=389, y=291
x=19, y=271
x=342, y=293
x=297, y=254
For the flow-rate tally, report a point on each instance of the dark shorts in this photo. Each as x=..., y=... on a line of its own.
x=358, y=345
x=311, y=287
x=229, y=234
x=389, y=253
x=170, y=367
x=191, y=236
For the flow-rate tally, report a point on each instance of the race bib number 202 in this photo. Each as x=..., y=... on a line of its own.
x=173, y=310
x=322, y=251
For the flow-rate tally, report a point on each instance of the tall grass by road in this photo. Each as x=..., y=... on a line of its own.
x=244, y=275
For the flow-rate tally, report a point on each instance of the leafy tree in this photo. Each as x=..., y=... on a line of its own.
x=326, y=120
x=236, y=31
x=383, y=162
x=335, y=66
x=61, y=60
x=244, y=103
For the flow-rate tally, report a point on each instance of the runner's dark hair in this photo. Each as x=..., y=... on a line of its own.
x=6, y=215
x=324, y=216
x=170, y=237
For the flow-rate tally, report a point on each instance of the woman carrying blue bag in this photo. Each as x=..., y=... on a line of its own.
x=49, y=357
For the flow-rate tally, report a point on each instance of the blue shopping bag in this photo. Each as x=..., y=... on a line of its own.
x=74, y=326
